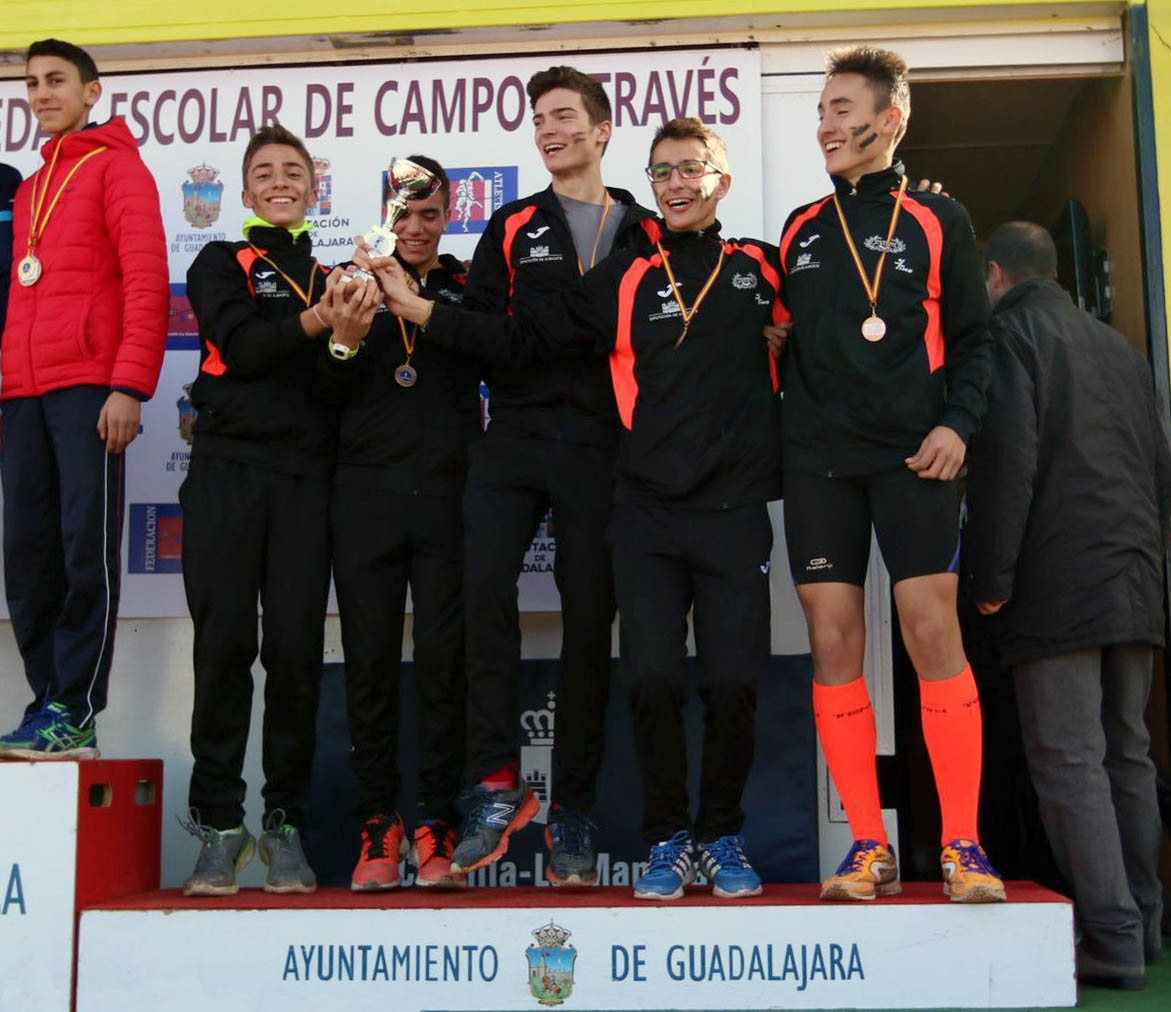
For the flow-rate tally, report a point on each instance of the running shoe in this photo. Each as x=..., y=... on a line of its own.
x=868, y=870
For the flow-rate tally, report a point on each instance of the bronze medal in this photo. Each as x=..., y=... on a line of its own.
x=873, y=328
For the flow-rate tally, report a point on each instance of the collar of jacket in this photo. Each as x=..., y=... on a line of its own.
x=873, y=184
x=113, y=133
x=1045, y=287
x=673, y=239
x=272, y=238
x=258, y=222
x=633, y=211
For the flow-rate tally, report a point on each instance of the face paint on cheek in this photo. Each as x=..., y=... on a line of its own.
x=707, y=186
x=578, y=138
x=858, y=131
x=869, y=140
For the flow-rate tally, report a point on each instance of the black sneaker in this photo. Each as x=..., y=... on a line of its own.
x=572, y=858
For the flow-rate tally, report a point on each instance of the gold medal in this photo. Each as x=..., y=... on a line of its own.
x=28, y=271
x=873, y=328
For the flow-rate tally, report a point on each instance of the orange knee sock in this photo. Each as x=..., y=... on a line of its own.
x=952, y=730
x=845, y=725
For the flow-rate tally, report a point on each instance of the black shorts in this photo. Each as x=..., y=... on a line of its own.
x=827, y=525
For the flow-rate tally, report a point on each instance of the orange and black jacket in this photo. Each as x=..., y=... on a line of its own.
x=411, y=440
x=698, y=420
x=255, y=389
x=855, y=407
x=525, y=257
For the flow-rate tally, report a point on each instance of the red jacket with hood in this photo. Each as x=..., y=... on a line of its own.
x=98, y=314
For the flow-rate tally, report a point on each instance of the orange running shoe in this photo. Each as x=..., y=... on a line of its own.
x=868, y=870
x=384, y=845
x=968, y=877
x=431, y=848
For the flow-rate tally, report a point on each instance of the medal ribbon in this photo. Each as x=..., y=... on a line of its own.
x=408, y=342
x=38, y=221
x=872, y=287
x=688, y=314
x=607, y=203
x=307, y=298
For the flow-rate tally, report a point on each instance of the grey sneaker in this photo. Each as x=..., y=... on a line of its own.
x=280, y=849
x=222, y=856
x=493, y=817
x=572, y=858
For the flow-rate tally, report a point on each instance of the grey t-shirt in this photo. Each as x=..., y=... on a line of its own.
x=584, y=220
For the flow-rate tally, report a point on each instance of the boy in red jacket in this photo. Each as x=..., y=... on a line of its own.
x=82, y=348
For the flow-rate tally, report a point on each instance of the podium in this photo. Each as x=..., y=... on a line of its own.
x=71, y=834
x=534, y=948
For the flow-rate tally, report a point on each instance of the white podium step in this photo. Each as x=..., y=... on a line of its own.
x=528, y=948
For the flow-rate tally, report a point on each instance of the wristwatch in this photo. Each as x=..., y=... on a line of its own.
x=342, y=352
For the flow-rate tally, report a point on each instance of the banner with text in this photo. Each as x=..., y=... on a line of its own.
x=472, y=116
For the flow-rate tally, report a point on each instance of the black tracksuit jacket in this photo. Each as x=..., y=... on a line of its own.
x=525, y=257
x=405, y=440
x=255, y=389
x=853, y=407
x=1069, y=484
x=699, y=423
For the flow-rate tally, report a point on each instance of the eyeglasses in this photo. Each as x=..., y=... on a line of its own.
x=689, y=168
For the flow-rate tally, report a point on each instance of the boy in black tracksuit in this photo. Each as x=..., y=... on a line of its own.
x=885, y=382
x=697, y=453
x=396, y=519
x=256, y=511
x=550, y=444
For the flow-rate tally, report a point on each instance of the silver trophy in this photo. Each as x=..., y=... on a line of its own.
x=405, y=181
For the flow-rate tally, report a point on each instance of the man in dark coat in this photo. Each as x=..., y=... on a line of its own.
x=1069, y=493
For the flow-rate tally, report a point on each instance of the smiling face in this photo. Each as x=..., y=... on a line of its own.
x=57, y=96
x=855, y=137
x=420, y=230
x=687, y=205
x=278, y=185
x=569, y=143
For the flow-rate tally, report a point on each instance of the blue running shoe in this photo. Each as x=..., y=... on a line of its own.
x=572, y=858
x=57, y=739
x=492, y=819
x=723, y=863
x=25, y=736
x=670, y=868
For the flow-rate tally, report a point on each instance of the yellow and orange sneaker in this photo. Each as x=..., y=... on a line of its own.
x=868, y=870
x=431, y=848
x=384, y=845
x=968, y=877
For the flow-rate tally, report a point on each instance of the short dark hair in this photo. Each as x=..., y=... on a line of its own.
x=593, y=95
x=685, y=128
x=274, y=133
x=67, y=51
x=1023, y=249
x=437, y=171
x=885, y=72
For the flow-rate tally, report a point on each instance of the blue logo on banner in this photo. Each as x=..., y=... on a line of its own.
x=551, y=965
x=156, y=538
x=478, y=193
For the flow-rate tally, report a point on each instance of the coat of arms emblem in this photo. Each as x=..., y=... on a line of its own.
x=551, y=965
x=201, y=196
